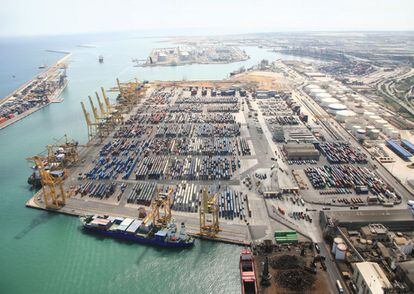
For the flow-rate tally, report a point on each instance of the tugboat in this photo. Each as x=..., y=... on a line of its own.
x=138, y=231
x=247, y=273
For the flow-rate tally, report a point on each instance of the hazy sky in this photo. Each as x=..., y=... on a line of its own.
x=34, y=17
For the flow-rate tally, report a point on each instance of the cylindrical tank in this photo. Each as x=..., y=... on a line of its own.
x=359, y=99
x=374, y=134
x=359, y=109
x=394, y=135
x=335, y=107
x=369, y=128
x=340, y=252
x=326, y=101
x=367, y=114
x=360, y=134
x=379, y=123
x=336, y=242
x=373, y=118
x=344, y=115
x=320, y=96
x=354, y=128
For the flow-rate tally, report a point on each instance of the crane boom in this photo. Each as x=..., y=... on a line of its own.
x=101, y=106
x=94, y=110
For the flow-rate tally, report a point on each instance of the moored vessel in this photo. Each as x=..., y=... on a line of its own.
x=136, y=230
x=247, y=273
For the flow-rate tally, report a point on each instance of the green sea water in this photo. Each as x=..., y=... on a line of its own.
x=45, y=252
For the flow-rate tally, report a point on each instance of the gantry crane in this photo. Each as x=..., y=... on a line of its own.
x=54, y=195
x=161, y=201
x=209, y=206
x=130, y=92
x=64, y=152
x=93, y=127
x=113, y=111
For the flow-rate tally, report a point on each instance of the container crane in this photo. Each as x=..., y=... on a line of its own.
x=209, y=206
x=93, y=128
x=161, y=201
x=54, y=195
x=110, y=109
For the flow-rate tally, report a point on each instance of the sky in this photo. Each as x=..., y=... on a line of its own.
x=55, y=17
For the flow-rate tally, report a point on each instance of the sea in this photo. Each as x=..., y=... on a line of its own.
x=43, y=252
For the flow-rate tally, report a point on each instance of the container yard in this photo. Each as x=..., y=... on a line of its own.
x=231, y=162
x=37, y=93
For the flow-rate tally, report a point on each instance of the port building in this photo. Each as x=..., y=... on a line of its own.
x=398, y=149
x=370, y=278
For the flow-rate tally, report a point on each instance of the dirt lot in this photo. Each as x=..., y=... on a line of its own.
x=288, y=262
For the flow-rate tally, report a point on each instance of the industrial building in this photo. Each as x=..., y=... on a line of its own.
x=396, y=219
x=398, y=149
x=406, y=271
x=303, y=151
x=407, y=145
x=370, y=278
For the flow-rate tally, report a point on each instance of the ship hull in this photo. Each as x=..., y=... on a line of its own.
x=138, y=239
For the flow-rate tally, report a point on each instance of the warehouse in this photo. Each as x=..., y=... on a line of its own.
x=398, y=149
x=370, y=278
x=303, y=151
x=407, y=145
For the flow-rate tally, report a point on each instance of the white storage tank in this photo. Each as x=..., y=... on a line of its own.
x=360, y=134
x=359, y=109
x=320, y=96
x=367, y=114
x=379, y=123
x=336, y=242
x=374, y=134
x=334, y=108
x=345, y=115
x=326, y=101
x=340, y=252
x=394, y=135
x=369, y=129
x=374, y=118
x=354, y=129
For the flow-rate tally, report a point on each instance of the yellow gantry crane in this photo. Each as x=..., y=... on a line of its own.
x=209, y=207
x=161, y=201
x=93, y=127
x=130, y=92
x=54, y=195
x=110, y=109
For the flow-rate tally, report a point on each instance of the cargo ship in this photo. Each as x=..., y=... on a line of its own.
x=247, y=273
x=135, y=230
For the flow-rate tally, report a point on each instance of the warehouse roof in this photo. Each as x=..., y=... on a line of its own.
x=374, y=277
x=407, y=144
x=370, y=216
x=398, y=148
